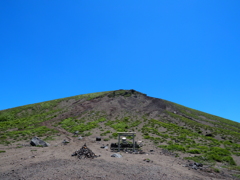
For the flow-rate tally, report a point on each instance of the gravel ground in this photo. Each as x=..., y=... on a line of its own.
x=56, y=162
x=93, y=169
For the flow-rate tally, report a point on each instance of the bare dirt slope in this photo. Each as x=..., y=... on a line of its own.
x=56, y=162
x=116, y=106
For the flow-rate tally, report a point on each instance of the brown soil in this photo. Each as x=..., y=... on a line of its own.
x=56, y=162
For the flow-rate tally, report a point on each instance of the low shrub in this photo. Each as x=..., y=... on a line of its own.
x=173, y=147
x=194, y=151
x=105, y=133
x=216, y=170
x=115, y=135
x=229, y=160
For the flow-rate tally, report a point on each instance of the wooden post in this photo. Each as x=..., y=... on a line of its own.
x=118, y=142
x=133, y=143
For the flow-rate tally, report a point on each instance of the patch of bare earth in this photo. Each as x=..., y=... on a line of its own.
x=56, y=162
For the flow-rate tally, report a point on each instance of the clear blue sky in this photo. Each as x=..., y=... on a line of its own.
x=183, y=51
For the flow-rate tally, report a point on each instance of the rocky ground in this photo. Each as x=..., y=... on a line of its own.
x=56, y=162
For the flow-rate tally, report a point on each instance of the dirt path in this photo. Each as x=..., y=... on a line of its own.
x=62, y=131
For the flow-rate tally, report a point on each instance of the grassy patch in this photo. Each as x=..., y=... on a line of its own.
x=194, y=151
x=71, y=125
x=26, y=134
x=105, y=133
x=123, y=125
x=236, y=168
x=216, y=170
x=173, y=147
x=49, y=138
x=237, y=175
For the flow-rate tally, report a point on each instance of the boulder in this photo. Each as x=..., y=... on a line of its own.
x=38, y=142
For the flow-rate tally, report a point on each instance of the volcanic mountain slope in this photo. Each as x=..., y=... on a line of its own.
x=207, y=138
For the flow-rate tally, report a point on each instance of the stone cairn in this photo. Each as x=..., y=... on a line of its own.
x=84, y=152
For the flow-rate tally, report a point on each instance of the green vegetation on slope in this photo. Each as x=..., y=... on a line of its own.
x=23, y=122
x=186, y=140
x=72, y=125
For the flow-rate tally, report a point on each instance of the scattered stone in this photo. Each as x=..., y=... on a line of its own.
x=194, y=165
x=198, y=164
x=141, y=152
x=168, y=153
x=38, y=142
x=116, y=155
x=25, y=145
x=98, y=138
x=65, y=142
x=147, y=160
x=210, y=135
x=104, y=147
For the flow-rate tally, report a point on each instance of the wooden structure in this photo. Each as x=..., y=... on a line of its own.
x=126, y=134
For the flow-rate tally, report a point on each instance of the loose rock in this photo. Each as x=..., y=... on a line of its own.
x=38, y=142
x=195, y=165
x=116, y=155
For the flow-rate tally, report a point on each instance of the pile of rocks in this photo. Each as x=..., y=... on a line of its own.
x=84, y=152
